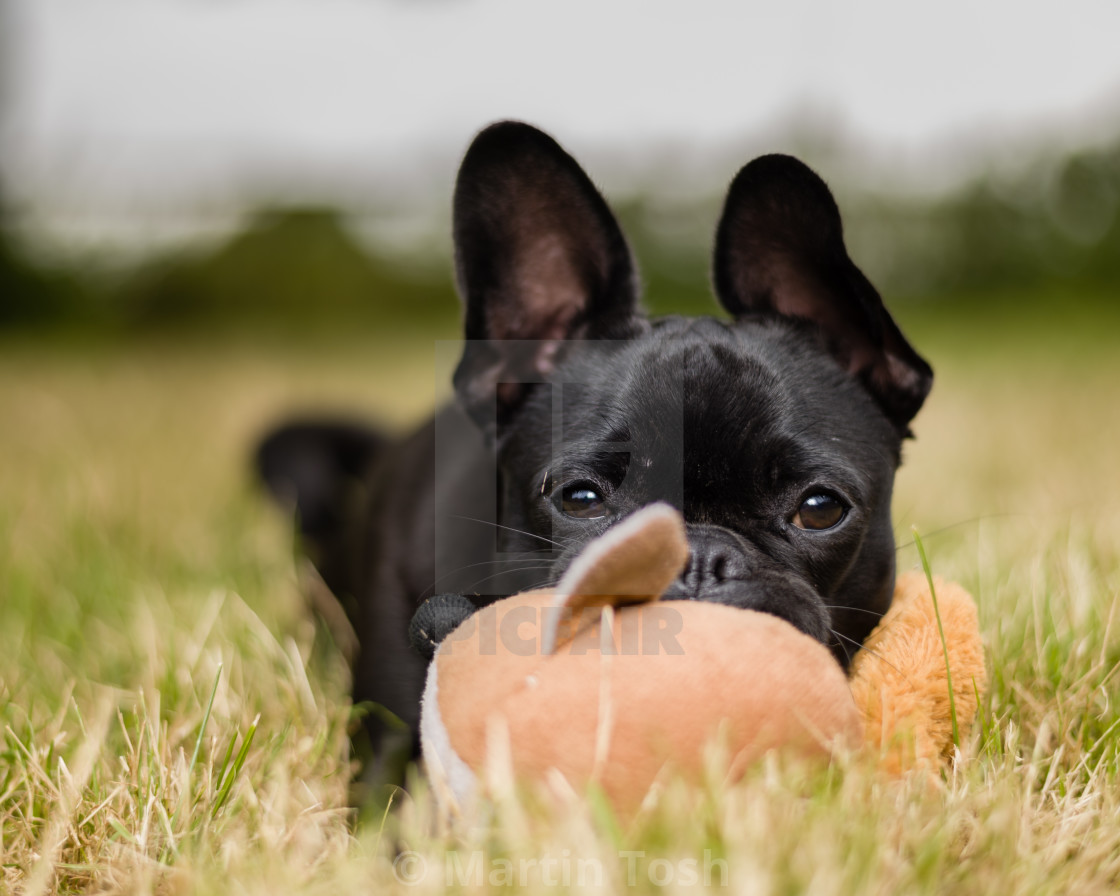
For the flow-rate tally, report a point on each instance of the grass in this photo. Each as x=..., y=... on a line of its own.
x=171, y=721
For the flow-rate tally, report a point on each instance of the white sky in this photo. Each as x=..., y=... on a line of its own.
x=134, y=102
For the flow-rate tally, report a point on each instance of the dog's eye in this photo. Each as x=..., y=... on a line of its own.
x=819, y=512
x=581, y=500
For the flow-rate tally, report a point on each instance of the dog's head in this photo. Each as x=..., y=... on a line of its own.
x=777, y=433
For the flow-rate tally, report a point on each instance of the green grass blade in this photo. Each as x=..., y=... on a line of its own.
x=205, y=720
x=224, y=768
x=242, y=754
x=941, y=631
x=121, y=831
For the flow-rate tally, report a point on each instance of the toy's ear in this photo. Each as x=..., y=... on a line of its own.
x=632, y=563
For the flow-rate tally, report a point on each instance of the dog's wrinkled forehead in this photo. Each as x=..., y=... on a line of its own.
x=708, y=377
x=695, y=404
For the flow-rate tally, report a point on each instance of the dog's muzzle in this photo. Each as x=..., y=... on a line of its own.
x=724, y=568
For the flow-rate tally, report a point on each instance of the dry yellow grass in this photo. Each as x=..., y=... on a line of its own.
x=151, y=625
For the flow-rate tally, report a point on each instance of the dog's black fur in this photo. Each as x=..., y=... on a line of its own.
x=777, y=433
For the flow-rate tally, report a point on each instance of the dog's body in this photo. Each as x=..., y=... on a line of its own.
x=777, y=433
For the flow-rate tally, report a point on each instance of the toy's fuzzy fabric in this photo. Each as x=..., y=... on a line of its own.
x=899, y=679
x=605, y=707
x=552, y=675
x=603, y=682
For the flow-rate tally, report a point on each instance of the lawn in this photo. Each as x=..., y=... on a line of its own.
x=173, y=721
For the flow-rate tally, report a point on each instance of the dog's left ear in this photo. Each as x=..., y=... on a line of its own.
x=780, y=250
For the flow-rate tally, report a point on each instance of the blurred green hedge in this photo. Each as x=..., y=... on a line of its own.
x=1054, y=225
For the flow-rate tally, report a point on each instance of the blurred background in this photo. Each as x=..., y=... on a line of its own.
x=275, y=168
x=218, y=213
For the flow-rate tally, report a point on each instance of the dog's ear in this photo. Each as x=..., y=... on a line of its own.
x=540, y=259
x=780, y=251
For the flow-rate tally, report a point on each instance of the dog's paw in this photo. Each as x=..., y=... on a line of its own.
x=437, y=618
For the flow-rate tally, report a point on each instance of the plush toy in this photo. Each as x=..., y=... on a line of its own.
x=602, y=682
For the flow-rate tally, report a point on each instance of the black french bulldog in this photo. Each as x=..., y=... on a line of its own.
x=777, y=433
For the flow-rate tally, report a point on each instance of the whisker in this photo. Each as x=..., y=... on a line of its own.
x=543, y=583
x=474, y=585
x=431, y=589
x=854, y=610
x=843, y=646
x=472, y=519
x=860, y=646
x=957, y=525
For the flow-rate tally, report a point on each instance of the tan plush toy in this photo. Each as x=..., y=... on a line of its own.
x=603, y=682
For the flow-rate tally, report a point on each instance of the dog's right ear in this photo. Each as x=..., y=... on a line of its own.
x=540, y=260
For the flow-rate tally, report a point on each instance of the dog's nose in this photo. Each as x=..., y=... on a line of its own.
x=715, y=557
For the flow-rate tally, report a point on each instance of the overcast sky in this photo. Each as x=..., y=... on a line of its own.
x=119, y=102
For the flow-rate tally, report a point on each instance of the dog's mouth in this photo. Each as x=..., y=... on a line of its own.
x=777, y=593
x=723, y=569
